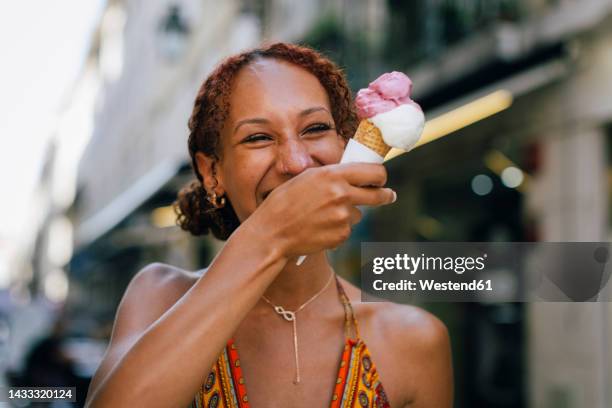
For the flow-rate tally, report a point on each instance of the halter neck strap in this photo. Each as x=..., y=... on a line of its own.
x=349, y=314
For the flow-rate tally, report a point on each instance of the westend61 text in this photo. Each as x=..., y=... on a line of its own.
x=405, y=262
x=431, y=285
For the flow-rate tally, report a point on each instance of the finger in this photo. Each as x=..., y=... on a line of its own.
x=372, y=196
x=363, y=174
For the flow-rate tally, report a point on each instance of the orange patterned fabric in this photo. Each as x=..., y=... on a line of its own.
x=357, y=382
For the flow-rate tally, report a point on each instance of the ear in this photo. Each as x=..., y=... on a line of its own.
x=208, y=168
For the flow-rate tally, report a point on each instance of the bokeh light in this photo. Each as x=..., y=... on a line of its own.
x=482, y=184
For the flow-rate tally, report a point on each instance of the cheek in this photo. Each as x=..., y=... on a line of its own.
x=328, y=150
x=240, y=183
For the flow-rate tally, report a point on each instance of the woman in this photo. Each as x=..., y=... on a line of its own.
x=267, y=131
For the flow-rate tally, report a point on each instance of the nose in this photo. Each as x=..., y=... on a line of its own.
x=293, y=157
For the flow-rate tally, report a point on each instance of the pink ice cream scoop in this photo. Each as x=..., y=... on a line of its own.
x=386, y=103
x=385, y=93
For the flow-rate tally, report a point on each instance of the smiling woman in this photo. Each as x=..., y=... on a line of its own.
x=268, y=129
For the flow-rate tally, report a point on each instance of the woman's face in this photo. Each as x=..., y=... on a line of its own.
x=279, y=124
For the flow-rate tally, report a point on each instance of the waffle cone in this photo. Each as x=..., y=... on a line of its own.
x=369, y=135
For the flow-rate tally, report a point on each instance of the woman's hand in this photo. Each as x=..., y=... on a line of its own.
x=315, y=210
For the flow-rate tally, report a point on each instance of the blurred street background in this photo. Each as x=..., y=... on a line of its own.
x=95, y=100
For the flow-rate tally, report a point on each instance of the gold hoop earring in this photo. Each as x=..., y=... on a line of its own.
x=216, y=201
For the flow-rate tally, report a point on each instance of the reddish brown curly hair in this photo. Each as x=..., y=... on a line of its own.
x=194, y=213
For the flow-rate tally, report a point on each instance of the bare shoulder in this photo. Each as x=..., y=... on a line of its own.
x=410, y=327
x=155, y=288
x=150, y=293
x=164, y=279
x=412, y=350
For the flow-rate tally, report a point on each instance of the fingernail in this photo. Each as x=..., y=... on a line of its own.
x=394, y=196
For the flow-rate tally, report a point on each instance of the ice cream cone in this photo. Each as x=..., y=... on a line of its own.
x=385, y=108
x=369, y=135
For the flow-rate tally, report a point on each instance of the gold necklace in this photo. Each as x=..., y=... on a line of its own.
x=290, y=317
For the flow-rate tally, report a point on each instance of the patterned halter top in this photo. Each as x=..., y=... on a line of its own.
x=357, y=382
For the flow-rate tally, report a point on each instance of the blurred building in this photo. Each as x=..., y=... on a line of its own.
x=517, y=99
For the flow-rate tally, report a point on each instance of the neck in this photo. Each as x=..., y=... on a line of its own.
x=295, y=284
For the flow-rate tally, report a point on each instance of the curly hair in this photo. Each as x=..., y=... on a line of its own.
x=194, y=212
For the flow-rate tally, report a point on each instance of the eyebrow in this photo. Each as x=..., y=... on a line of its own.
x=263, y=120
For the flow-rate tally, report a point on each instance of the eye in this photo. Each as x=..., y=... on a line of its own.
x=319, y=127
x=255, y=138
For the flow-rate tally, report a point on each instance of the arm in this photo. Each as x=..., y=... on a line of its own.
x=163, y=336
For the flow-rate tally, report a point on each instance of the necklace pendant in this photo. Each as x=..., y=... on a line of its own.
x=286, y=314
